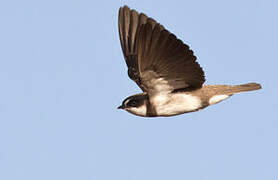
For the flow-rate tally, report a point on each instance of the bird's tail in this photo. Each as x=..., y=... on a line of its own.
x=244, y=88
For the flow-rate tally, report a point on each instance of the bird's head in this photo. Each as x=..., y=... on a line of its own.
x=136, y=104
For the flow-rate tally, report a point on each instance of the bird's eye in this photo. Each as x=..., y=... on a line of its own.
x=132, y=103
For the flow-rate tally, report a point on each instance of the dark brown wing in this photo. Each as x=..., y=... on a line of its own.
x=165, y=62
x=129, y=24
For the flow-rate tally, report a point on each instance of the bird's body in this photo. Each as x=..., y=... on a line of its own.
x=166, y=70
x=176, y=103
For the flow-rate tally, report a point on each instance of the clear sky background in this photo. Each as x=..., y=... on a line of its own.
x=62, y=75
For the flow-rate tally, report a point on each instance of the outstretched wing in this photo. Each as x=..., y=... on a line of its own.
x=130, y=22
x=165, y=63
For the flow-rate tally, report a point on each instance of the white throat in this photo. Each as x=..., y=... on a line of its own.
x=139, y=111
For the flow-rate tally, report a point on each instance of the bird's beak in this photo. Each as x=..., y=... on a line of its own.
x=120, y=107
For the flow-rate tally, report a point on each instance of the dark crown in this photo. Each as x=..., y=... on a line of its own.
x=134, y=101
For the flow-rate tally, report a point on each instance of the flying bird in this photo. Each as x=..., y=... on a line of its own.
x=165, y=69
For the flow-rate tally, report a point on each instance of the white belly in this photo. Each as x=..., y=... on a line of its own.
x=174, y=104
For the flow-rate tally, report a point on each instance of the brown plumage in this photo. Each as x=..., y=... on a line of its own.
x=165, y=69
x=169, y=58
x=129, y=24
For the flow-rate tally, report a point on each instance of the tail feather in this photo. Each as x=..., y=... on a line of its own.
x=245, y=87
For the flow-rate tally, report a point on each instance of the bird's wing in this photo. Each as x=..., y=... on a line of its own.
x=165, y=63
x=130, y=22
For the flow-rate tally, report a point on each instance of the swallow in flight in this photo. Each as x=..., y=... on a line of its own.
x=166, y=70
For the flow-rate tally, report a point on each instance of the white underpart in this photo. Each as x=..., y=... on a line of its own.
x=217, y=98
x=139, y=111
x=173, y=104
x=164, y=102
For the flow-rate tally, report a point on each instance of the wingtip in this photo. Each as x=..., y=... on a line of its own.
x=125, y=7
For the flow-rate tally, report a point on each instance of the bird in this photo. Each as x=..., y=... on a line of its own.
x=165, y=69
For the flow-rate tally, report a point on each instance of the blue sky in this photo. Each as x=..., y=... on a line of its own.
x=62, y=75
